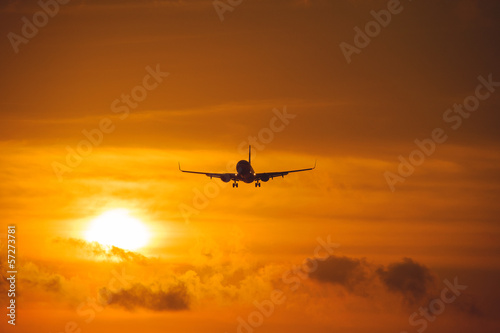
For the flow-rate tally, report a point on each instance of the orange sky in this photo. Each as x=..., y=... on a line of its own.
x=271, y=73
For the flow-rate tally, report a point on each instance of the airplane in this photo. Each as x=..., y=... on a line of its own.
x=246, y=174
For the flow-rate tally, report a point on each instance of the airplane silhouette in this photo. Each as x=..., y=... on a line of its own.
x=245, y=173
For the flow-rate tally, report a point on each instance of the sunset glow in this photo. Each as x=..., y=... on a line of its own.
x=103, y=104
x=118, y=228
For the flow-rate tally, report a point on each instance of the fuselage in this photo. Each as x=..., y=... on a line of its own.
x=245, y=171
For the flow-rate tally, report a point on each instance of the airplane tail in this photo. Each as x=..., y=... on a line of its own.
x=250, y=155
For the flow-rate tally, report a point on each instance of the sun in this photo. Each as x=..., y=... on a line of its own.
x=117, y=228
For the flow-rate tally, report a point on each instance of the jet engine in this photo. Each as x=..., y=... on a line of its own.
x=264, y=178
x=225, y=178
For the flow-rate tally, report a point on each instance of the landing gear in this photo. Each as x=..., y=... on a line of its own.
x=235, y=184
x=257, y=184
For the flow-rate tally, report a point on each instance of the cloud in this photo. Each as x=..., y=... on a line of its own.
x=161, y=286
x=35, y=277
x=129, y=280
x=468, y=304
x=348, y=272
x=412, y=280
x=36, y=281
x=408, y=278
x=95, y=249
x=151, y=298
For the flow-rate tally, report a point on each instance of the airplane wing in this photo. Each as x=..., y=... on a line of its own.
x=265, y=176
x=224, y=176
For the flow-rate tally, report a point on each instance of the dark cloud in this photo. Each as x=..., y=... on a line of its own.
x=157, y=299
x=348, y=272
x=415, y=282
x=412, y=280
x=468, y=303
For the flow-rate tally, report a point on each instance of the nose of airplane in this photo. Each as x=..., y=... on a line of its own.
x=242, y=167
